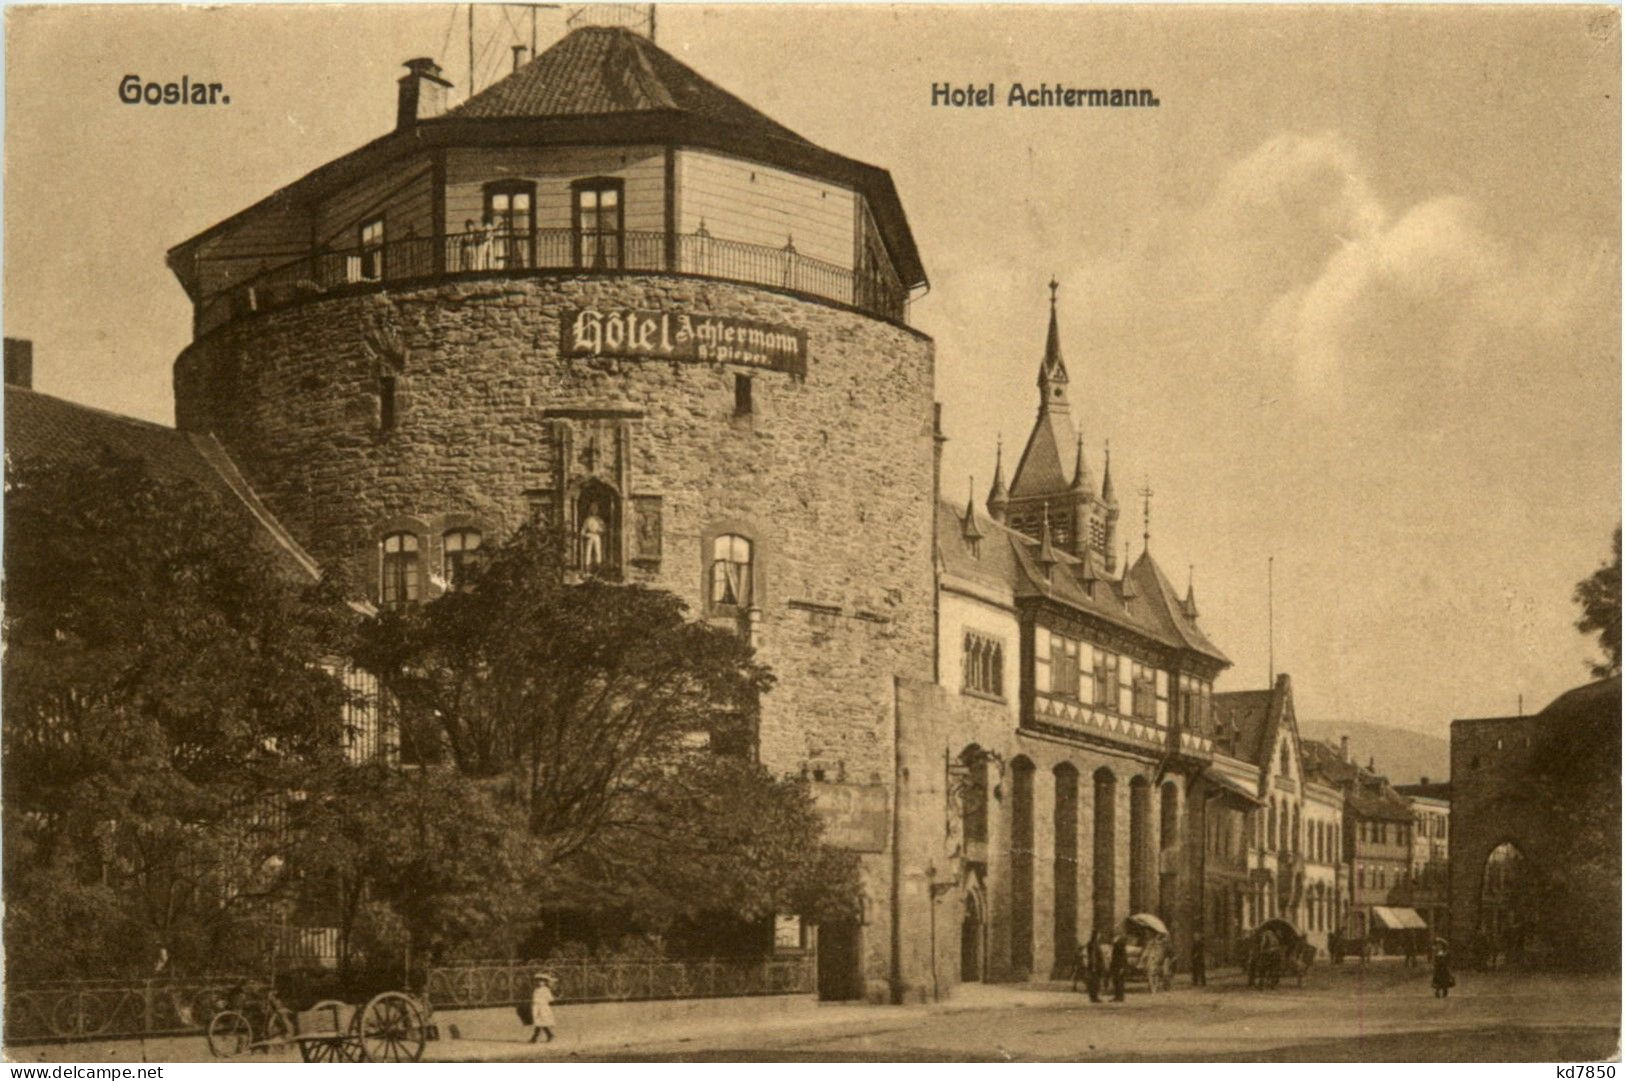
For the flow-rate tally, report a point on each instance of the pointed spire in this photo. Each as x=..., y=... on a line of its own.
x=1081, y=480
x=997, y=498
x=1190, y=595
x=1052, y=377
x=1129, y=592
x=1086, y=569
x=1046, y=551
x=1145, y=519
x=1107, y=495
x=970, y=531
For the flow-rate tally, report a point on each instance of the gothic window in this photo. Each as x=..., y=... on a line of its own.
x=462, y=548
x=598, y=222
x=508, y=209
x=731, y=571
x=1286, y=760
x=984, y=665
x=400, y=569
x=371, y=235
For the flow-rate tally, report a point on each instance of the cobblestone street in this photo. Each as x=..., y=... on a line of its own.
x=1382, y=1012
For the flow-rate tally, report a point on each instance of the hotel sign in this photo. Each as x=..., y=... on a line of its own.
x=681, y=336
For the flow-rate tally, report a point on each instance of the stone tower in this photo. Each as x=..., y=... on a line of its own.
x=605, y=293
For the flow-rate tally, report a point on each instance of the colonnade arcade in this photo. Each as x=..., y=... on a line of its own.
x=1057, y=844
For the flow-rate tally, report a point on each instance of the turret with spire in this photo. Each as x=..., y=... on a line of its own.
x=970, y=530
x=1108, y=497
x=997, y=498
x=1189, y=603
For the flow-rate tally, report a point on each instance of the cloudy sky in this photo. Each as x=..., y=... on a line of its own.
x=1349, y=298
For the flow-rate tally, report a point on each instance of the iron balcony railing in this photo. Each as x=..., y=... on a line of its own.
x=416, y=259
x=503, y=983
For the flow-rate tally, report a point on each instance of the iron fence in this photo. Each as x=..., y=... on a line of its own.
x=874, y=289
x=504, y=983
x=81, y=1009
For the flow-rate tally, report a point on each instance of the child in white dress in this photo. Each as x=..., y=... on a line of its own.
x=541, y=1007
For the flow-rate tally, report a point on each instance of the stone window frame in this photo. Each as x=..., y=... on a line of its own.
x=420, y=530
x=981, y=646
x=447, y=524
x=760, y=545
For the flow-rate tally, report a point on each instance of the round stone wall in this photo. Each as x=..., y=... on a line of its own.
x=829, y=473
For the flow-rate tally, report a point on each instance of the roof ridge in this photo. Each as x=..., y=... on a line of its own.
x=70, y=403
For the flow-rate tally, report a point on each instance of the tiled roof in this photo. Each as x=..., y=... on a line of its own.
x=1040, y=472
x=1324, y=763
x=602, y=70
x=1246, y=714
x=1580, y=702
x=1431, y=790
x=49, y=429
x=1371, y=799
x=1008, y=560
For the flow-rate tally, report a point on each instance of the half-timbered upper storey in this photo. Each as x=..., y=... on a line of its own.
x=604, y=154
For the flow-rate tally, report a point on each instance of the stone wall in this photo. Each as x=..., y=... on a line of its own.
x=830, y=475
x=1489, y=781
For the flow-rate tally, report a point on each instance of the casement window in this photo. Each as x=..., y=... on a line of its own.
x=599, y=214
x=370, y=266
x=1105, y=670
x=509, y=207
x=1125, y=686
x=462, y=550
x=1162, y=697
x=400, y=577
x=983, y=665
x=731, y=572
x=1145, y=692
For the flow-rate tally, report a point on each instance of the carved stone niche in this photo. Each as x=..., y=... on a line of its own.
x=646, y=530
x=605, y=528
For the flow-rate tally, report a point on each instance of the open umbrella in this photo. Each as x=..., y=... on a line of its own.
x=1149, y=922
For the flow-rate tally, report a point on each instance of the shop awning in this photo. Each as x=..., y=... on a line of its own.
x=1399, y=919
x=1230, y=787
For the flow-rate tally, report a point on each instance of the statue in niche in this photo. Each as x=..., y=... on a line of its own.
x=597, y=529
x=592, y=538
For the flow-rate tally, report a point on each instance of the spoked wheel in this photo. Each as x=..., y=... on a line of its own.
x=230, y=1034
x=336, y=1049
x=390, y=1029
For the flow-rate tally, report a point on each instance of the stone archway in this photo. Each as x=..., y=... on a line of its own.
x=1505, y=905
x=973, y=939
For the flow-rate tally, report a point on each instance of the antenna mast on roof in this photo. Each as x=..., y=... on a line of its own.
x=639, y=17
x=510, y=36
x=1272, y=619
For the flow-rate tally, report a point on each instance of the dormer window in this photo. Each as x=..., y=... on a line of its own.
x=598, y=222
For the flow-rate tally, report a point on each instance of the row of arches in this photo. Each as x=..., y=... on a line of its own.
x=1149, y=891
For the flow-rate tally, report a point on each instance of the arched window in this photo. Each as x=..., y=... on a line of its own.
x=462, y=548
x=731, y=571
x=400, y=569
x=1272, y=831
x=1295, y=838
x=1286, y=759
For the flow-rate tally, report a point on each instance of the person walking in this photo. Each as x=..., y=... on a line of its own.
x=1119, y=966
x=541, y=1007
x=1443, y=981
x=1198, y=961
x=1080, y=964
x=1092, y=961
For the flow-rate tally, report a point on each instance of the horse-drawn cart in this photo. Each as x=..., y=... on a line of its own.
x=390, y=1027
x=1149, y=955
x=1277, y=949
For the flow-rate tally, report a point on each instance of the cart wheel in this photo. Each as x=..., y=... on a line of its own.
x=390, y=1029
x=336, y=1049
x=230, y=1034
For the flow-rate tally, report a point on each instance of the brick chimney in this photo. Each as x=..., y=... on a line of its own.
x=19, y=363
x=423, y=93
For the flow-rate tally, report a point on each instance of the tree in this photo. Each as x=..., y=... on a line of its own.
x=1599, y=601
x=416, y=863
x=600, y=711
x=164, y=685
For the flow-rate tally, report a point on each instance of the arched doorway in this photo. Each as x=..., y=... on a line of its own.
x=1105, y=850
x=971, y=950
x=1065, y=877
x=1504, y=907
x=1021, y=867
x=1141, y=861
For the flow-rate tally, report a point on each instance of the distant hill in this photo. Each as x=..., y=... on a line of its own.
x=1403, y=756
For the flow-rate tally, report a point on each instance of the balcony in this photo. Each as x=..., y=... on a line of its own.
x=415, y=260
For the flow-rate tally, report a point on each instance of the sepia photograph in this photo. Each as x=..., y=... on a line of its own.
x=859, y=533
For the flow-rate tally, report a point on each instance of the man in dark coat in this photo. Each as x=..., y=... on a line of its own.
x=1198, y=961
x=1091, y=961
x=1119, y=966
